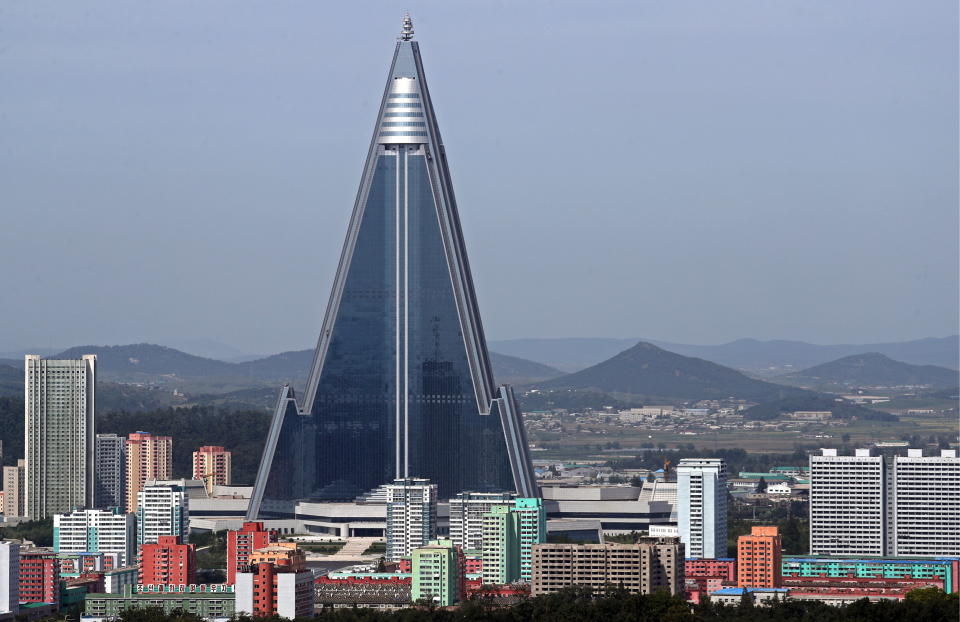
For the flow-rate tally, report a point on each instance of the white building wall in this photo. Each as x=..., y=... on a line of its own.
x=10, y=577
x=702, y=506
x=847, y=504
x=924, y=512
x=243, y=594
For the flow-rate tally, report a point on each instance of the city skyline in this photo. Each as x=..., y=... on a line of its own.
x=807, y=130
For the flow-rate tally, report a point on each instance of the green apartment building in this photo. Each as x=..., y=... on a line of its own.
x=531, y=529
x=437, y=571
x=501, y=546
x=216, y=604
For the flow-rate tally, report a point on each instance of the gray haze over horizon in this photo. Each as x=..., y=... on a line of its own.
x=693, y=172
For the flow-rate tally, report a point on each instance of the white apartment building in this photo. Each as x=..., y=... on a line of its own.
x=847, y=504
x=9, y=577
x=60, y=398
x=97, y=531
x=702, y=506
x=923, y=495
x=411, y=516
x=875, y=505
x=466, y=516
x=162, y=510
x=110, y=469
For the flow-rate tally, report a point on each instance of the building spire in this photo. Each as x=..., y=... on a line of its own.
x=407, y=33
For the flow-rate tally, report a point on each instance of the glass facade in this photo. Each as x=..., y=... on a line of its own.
x=393, y=390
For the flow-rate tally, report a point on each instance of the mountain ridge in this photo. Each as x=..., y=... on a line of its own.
x=648, y=370
x=872, y=369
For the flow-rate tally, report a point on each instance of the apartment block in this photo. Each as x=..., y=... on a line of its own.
x=13, y=489
x=531, y=529
x=97, y=531
x=438, y=574
x=411, y=516
x=281, y=588
x=466, y=516
x=501, y=546
x=650, y=565
x=702, y=506
x=110, y=471
x=875, y=505
x=923, y=495
x=39, y=577
x=60, y=400
x=211, y=465
x=162, y=510
x=168, y=561
x=759, y=558
x=241, y=543
x=148, y=458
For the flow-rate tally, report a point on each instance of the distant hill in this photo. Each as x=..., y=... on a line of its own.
x=760, y=357
x=161, y=365
x=840, y=409
x=648, y=370
x=871, y=370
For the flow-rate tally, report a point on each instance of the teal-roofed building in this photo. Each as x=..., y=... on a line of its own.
x=531, y=529
x=946, y=569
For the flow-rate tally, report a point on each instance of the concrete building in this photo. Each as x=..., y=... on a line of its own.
x=733, y=596
x=466, y=516
x=110, y=471
x=168, y=561
x=13, y=489
x=531, y=530
x=501, y=546
x=39, y=576
x=847, y=504
x=702, y=506
x=162, y=510
x=241, y=543
x=411, y=516
x=759, y=558
x=650, y=565
x=9, y=577
x=60, y=398
x=114, y=581
x=149, y=458
x=209, y=602
x=97, y=531
x=619, y=509
x=283, y=587
x=946, y=570
x=875, y=505
x=211, y=465
x=924, y=510
x=438, y=574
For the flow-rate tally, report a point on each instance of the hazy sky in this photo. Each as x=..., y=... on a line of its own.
x=688, y=171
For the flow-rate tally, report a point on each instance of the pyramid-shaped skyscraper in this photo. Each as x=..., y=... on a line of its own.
x=401, y=383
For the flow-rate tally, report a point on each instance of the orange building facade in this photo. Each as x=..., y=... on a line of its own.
x=211, y=465
x=149, y=457
x=759, y=558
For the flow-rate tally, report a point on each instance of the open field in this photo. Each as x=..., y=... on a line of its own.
x=593, y=442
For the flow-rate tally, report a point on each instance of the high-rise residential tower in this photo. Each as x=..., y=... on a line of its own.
x=759, y=558
x=401, y=383
x=60, y=399
x=411, y=516
x=871, y=504
x=702, y=511
x=111, y=471
x=148, y=458
x=466, y=516
x=211, y=465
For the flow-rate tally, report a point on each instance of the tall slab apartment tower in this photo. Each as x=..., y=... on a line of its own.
x=401, y=383
x=59, y=404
